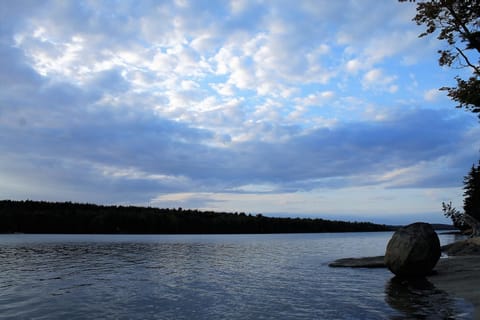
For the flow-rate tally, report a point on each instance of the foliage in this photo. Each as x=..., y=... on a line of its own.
x=67, y=217
x=456, y=216
x=457, y=22
x=471, y=200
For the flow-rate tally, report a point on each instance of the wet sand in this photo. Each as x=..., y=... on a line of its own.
x=459, y=275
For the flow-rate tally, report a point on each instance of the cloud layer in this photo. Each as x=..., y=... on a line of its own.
x=227, y=105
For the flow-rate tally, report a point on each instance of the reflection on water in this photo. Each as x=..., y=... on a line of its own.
x=197, y=277
x=419, y=299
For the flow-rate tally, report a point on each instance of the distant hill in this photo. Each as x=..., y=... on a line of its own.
x=440, y=226
x=67, y=217
x=436, y=226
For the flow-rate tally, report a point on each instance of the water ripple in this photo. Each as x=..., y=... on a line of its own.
x=193, y=277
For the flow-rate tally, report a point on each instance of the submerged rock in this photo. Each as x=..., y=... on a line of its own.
x=413, y=251
x=367, y=262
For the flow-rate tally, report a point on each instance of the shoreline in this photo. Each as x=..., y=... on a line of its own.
x=458, y=275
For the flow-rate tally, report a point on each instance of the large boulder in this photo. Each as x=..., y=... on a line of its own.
x=413, y=251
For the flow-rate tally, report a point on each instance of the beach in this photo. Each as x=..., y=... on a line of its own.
x=458, y=273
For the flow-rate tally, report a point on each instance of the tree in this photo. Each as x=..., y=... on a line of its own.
x=470, y=217
x=453, y=214
x=458, y=23
x=471, y=200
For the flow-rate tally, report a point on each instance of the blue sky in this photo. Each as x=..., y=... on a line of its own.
x=298, y=108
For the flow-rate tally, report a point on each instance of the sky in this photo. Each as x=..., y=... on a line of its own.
x=309, y=108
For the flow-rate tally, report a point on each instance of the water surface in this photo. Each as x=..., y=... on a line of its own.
x=283, y=276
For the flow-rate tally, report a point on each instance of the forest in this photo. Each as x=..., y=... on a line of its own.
x=75, y=218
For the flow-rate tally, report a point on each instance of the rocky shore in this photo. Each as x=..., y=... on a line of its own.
x=456, y=272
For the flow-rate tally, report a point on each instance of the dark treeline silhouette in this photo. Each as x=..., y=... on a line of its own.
x=67, y=217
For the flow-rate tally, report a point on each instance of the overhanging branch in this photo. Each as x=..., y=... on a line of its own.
x=474, y=67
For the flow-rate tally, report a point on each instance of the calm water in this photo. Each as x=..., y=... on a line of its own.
x=208, y=277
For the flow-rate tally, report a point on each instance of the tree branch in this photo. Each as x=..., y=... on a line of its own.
x=477, y=69
x=459, y=21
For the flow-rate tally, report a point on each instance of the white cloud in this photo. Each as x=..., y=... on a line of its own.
x=369, y=202
x=432, y=95
x=316, y=99
x=238, y=6
x=375, y=79
x=178, y=97
x=391, y=44
x=373, y=76
x=354, y=65
x=223, y=89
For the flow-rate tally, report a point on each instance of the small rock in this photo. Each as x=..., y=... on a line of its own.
x=413, y=251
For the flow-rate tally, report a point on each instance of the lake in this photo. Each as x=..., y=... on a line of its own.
x=273, y=276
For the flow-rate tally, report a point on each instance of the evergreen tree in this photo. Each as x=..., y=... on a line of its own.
x=471, y=201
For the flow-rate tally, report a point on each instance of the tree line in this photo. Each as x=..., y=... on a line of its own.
x=75, y=218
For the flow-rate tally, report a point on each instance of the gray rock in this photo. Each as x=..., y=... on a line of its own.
x=366, y=262
x=413, y=251
x=467, y=247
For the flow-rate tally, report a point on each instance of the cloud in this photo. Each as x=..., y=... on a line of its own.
x=216, y=103
x=432, y=95
x=376, y=79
